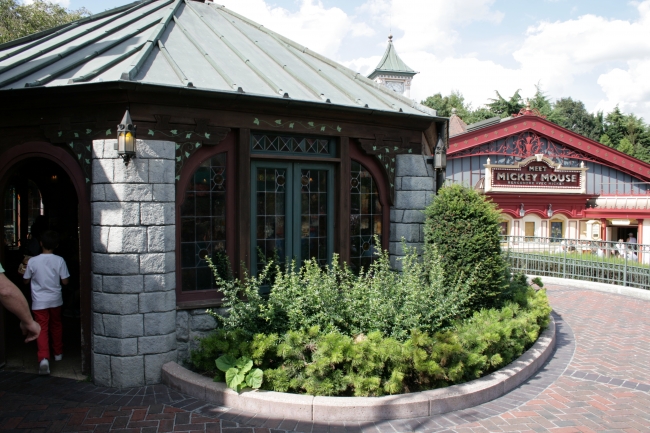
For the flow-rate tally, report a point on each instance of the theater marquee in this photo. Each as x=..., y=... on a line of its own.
x=535, y=174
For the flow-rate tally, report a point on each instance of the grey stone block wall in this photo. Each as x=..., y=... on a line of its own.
x=133, y=264
x=191, y=325
x=415, y=185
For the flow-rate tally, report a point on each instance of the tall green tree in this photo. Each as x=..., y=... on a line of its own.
x=506, y=107
x=445, y=104
x=541, y=102
x=573, y=115
x=455, y=100
x=18, y=20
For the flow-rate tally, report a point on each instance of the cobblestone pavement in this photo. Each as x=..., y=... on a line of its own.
x=597, y=380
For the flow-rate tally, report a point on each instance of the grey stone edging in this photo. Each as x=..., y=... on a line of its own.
x=600, y=287
x=328, y=409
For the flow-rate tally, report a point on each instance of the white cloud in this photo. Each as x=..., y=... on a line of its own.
x=428, y=24
x=560, y=53
x=318, y=28
x=629, y=89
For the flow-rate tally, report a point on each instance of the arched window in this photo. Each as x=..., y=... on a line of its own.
x=203, y=225
x=366, y=217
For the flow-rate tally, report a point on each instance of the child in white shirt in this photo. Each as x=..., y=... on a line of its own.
x=47, y=272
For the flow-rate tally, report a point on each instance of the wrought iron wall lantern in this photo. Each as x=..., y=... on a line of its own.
x=125, y=145
x=549, y=211
x=522, y=212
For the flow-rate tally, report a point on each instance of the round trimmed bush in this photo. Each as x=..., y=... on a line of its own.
x=464, y=227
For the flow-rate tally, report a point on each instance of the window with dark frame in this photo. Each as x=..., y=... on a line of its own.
x=365, y=217
x=203, y=226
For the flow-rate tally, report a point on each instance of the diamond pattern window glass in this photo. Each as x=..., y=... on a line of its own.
x=288, y=144
x=365, y=217
x=203, y=225
x=313, y=215
x=270, y=210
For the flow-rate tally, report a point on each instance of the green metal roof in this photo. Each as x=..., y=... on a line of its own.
x=391, y=63
x=192, y=44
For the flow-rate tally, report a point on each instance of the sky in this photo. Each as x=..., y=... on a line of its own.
x=596, y=51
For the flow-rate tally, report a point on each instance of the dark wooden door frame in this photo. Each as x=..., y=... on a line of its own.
x=67, y=162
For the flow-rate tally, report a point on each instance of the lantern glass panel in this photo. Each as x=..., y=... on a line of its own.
x=129, y=143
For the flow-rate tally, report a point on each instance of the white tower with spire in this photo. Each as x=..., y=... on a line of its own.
x=392, y=72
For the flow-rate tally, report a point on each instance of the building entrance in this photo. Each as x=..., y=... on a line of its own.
x=624, y=233
x=292, y=212
x=37, y=195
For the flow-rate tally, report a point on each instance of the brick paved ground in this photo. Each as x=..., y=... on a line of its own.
x=597, y=380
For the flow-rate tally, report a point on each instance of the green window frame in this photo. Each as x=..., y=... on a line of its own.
x=291, y=220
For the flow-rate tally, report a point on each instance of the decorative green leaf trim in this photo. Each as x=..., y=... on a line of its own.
x=278, y=123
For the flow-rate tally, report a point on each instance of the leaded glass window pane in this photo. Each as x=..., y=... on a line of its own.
x=270, y=211
x=203, y=225
x=313, y=215
x=268, y=143
x=365, y=217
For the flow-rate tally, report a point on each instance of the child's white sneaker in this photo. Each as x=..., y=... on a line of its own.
x=44, y=367
x=58, y=357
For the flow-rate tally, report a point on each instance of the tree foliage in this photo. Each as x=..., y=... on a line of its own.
x=18, y=20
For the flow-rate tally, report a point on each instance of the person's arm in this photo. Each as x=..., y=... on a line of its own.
x=64, y=274
x=14, y=301
x=27, y=281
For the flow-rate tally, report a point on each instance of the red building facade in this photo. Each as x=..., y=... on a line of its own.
x=550, y=181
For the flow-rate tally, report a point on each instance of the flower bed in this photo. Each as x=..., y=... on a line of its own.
x=337, y=409
x=325, y=331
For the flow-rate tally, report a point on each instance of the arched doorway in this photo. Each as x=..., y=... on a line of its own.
x=42, y=183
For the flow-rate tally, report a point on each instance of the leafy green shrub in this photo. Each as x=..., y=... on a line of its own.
x=336, y=300
x=239, y=371
x=320, y=362
x=464, y=227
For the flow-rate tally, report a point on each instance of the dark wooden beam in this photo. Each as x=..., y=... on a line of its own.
x=342, y=225
x=244, y=200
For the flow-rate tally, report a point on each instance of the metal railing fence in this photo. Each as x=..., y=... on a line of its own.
x=621, y=263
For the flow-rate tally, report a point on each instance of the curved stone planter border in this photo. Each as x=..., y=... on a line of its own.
x=326, y=409
x=600, y=287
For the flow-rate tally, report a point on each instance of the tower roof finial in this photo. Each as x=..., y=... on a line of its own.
x=390, y=38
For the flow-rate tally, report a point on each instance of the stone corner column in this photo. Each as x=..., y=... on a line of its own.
x=133, y=263
x=414, y=191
